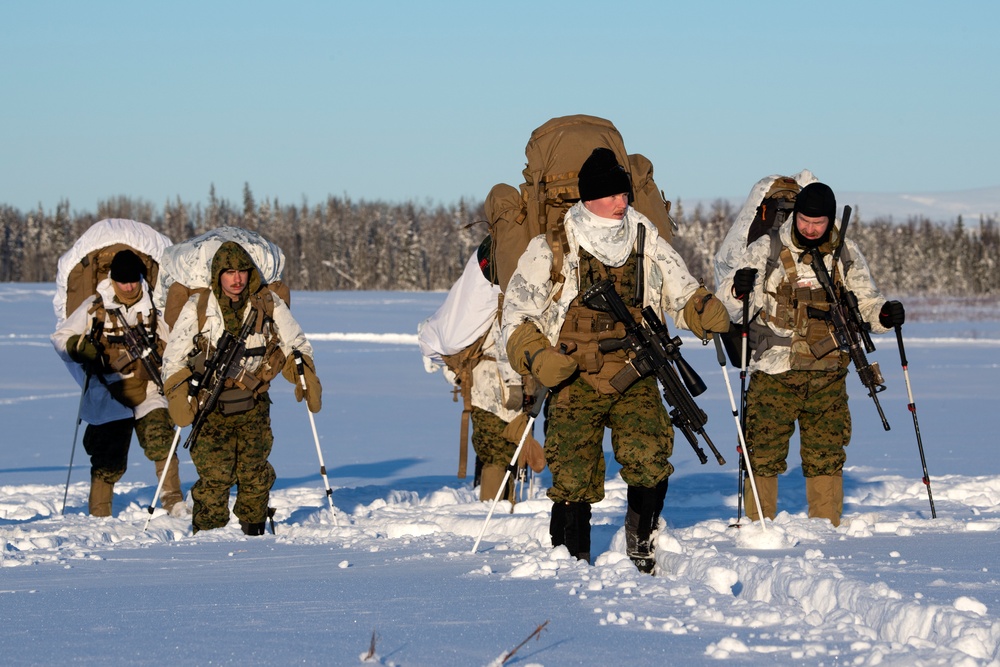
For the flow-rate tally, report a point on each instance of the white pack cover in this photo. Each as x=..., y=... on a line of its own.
x=137, y=235
x=735, y=242
x=190, y=262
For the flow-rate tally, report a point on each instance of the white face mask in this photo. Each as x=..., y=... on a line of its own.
x=609, y=240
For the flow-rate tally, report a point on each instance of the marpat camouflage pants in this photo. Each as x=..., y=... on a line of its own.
x=487, y=438
x=233, y=450
x=156, y=433
x=641, y=437
x=818, y=401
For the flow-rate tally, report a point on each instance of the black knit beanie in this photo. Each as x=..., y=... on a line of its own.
x=602, y=176
x=815, y=200
x=126, y=267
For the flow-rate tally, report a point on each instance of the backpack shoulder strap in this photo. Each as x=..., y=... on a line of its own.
x=462, y=364
x=774, y=256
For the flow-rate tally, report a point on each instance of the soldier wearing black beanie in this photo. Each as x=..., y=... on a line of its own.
x=126, y=267
x=815, y=200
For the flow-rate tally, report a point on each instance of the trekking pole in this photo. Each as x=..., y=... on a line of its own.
x=744, y=348
x=76, y=432
x=912, y=407
x=535, y=409
x=163, y=476
x=300, y=367
x=745, y=458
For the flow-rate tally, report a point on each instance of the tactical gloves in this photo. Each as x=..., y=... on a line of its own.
x=892, y=314
x=314, y=390
x=705, y=314
x=181, y=406
x=529, y=352
x=82, y=350
x=743, y=282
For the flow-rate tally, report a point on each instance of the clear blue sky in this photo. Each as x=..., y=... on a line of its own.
x=434, y=101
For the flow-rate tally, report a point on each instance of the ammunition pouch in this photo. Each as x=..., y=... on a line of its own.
x=589, y=332
x=235, y=401
x=130, y=392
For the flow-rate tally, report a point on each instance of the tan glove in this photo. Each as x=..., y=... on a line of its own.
x=529, y=352
x=705, y=314
x=532, y=453
x=314, y=390
x=182, y=408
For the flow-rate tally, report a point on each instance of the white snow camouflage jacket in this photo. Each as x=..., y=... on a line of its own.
x=777, y=359
x=181, y=340
x=531, y=295
x=98, y=406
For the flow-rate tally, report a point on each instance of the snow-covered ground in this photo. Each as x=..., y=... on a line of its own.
x=891, y=586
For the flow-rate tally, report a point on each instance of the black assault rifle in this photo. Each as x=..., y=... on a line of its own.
x=654, y=352
x=224, y=364
x=849, y=327
x=138, y=345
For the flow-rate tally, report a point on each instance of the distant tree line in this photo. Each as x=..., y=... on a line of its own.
x=342, y=244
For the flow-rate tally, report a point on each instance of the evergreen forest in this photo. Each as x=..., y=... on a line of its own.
x=342, y=244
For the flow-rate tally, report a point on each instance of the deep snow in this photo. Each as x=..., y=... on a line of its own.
x=891, y=586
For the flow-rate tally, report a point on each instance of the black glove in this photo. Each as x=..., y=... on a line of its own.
x=743, y=282
x=892, y=314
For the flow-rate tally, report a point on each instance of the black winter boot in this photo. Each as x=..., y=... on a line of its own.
x=641, y=519
x=252, y=528
x=557, y=524
x=578, y=530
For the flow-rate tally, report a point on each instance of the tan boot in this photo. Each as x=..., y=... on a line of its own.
x=767, y=488
x=101, y=493
x=490, y=482
x=825, y=495
x=171, y=493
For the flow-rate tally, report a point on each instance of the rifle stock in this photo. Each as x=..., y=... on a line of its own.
x=654, y=352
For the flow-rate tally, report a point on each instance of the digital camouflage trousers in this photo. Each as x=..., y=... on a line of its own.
x=233, y=450
x=108, y=444
x=641, y=437
x=817, y=400
x=487, y=438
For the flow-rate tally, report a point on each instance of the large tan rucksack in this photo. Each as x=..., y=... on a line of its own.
x=555, y=153
x=94, y=267
x=88, y=260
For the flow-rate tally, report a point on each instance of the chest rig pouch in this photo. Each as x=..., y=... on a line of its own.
x=243, y=387
x=805, y=311
x=585, y=327
x=131, y=389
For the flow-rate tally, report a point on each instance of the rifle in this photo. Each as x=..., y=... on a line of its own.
x=223, y=365
x=849, y=327
x=654, y=352
x=137, y=346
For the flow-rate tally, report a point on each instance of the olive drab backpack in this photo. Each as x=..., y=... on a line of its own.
x=555, y=152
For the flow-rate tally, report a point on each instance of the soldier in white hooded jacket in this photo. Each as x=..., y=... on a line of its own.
x=121, y=395
x=234, y=443
x=797, y=370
